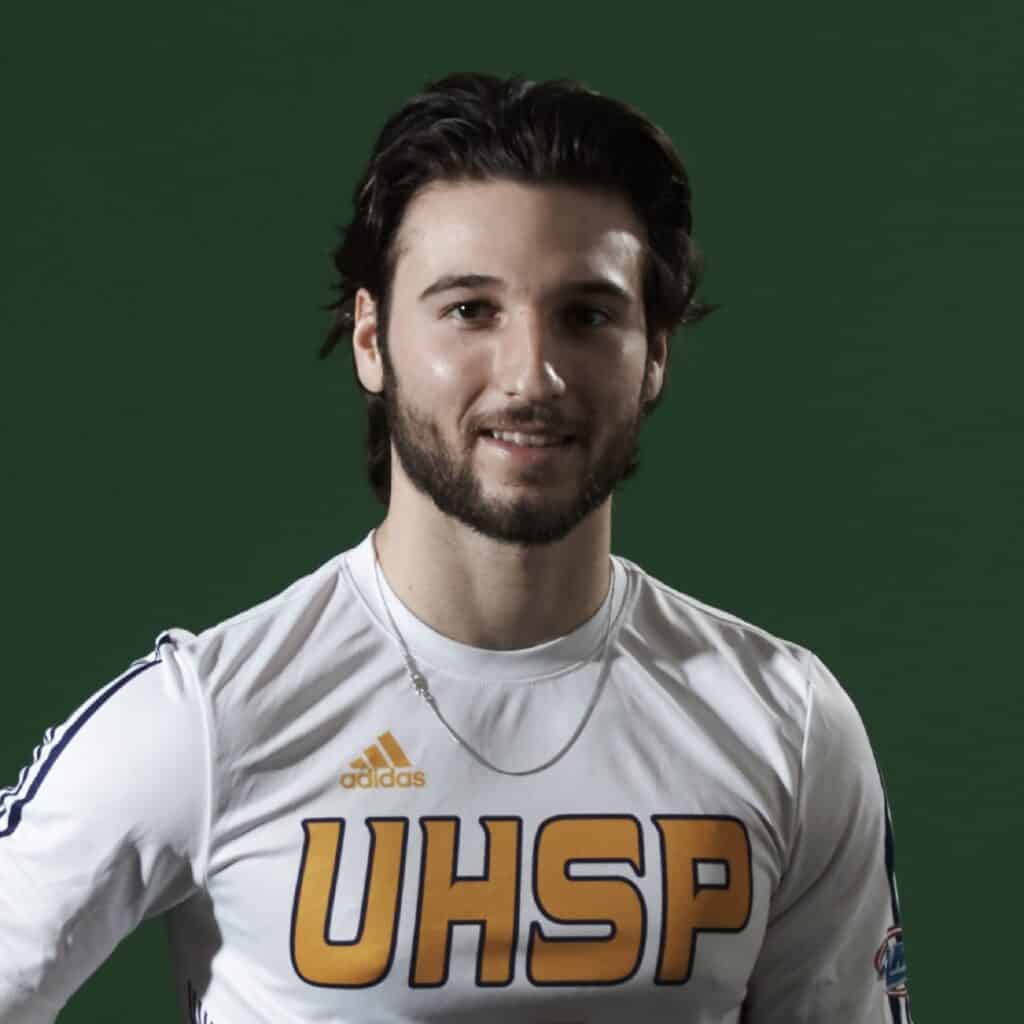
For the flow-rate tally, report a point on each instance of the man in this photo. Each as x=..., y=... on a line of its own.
x=475, y=767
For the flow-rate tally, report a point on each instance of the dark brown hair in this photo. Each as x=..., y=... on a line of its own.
x=475, y=126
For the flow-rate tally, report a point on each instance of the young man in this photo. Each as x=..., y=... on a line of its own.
x=476, y=767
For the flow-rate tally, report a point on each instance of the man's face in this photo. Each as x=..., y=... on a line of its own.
x=515, y=404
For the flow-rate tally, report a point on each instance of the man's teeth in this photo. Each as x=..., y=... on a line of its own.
x=532, y=440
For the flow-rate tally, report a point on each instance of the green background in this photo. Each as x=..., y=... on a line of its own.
x=838, y=457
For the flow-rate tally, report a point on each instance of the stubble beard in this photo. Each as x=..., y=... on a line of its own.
x=449, y=480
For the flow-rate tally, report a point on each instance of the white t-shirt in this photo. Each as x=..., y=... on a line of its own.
x=713, y=847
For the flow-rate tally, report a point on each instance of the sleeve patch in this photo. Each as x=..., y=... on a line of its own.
x=891, y=964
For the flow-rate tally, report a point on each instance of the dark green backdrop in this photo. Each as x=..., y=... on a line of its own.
x=838, y=457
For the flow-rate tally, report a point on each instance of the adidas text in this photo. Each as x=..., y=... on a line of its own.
x=383, y=778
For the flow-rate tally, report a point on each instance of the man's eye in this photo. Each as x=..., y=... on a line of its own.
x=469, y=307
x=585, y=315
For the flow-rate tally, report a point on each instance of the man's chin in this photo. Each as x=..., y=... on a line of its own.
x=522, y=534
x=520, y=519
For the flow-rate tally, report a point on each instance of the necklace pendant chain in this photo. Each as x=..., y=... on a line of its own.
x=420, y=684
x=422, y=687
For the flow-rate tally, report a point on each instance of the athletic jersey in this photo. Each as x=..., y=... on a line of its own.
x=712, y=847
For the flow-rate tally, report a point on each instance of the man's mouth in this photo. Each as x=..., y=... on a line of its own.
x=529, y=439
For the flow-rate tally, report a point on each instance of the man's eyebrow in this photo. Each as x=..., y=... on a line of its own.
x=586, y=286
x=596, y=286
x=448, y=282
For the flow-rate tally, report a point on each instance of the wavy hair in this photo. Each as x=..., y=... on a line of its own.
x=473, y=126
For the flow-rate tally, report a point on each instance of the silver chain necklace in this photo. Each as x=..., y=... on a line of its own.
x=421, y=686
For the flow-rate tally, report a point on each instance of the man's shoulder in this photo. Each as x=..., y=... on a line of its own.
x=315, y=612
x=716, y=651
x=688, y=618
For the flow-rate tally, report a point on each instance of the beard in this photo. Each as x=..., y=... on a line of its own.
x=447, y=477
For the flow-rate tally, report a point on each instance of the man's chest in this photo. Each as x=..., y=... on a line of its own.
x=418, y=884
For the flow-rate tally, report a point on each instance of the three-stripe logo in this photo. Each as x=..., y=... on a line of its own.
x=383, y=765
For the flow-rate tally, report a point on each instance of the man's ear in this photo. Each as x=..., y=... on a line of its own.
x=369, y=364
x=657, y=360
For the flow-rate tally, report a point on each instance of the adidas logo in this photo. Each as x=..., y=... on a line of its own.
x=383, y=766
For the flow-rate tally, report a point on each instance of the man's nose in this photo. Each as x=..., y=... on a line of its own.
x=527, y=359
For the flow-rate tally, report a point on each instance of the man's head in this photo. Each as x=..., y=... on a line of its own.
x=555, y=183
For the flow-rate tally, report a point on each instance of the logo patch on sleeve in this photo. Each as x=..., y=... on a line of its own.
x=891, y=964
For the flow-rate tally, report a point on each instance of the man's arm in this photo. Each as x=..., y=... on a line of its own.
x=833, y=948
x=106, y=827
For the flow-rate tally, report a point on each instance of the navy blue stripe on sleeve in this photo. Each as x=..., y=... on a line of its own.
x=890, y=865
x=899, y=998
x=12, y=792
x=10, y=817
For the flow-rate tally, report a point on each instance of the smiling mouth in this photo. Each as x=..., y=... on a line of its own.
x=534, y=452
x=529, y=440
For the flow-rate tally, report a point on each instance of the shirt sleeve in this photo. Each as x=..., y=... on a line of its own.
x=833, y=949
x=106, y=827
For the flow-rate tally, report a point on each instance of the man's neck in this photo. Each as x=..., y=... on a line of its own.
x=489, y=594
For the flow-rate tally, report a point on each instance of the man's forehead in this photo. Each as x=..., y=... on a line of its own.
x=562, y=231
